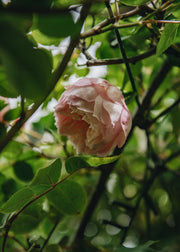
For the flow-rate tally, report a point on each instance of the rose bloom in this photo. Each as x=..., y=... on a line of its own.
x=92, y=113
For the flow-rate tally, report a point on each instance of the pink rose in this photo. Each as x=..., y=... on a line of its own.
x=94, y=116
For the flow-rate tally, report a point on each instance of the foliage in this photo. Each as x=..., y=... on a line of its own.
x=52, y=199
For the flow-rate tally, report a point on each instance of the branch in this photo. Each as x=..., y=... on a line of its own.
x=164, y=112
x=172, y=156
x=133, y=60
x=138, y=117
x=49, y=236
x=97, y=29
x=174, y=86
x=121, y=46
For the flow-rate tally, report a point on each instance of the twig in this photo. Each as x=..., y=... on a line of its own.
x=123, y=54
x=163, y=95
x=164, y=112
x=112, y=223
x=152, y=21
x=98, y=28
x=172, y=156
x=16, y=240
x=133, y=60
x=123, y=205
x=138, y=117
x=49, y=236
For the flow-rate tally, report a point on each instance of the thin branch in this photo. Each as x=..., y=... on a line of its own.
x=49, y=236
x=172, y=156
x=152, y=21
x=16, y=240
x=123, y=205
x=164, y=94
x=123, y=54
x=98, y=28
x=112, y=223
x=138, y=117
x=164, y=112
x=133, y=60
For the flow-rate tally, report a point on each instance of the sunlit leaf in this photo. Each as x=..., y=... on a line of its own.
x=43, y=39
x=74, y=163
x=167, y=38
x=17, y=200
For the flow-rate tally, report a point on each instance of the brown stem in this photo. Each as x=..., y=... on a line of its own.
x=133, y=60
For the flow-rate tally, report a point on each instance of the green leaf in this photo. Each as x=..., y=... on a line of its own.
x=68, y=197
x=6, y=89
x=13, y=150
x=43, y=39
x=95, y=161
x=167, y=38
x=12, y=114
x=29, y=219
x=75, y=163
x=49, y=175
x=134, y=2
x=8, y=187
x=45, y=122
x=57, y=26
x=24, y=224
x=28, y=72
x=23, y=170
x=17, y=200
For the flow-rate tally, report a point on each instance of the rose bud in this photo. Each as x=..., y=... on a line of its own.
x=92, y=113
